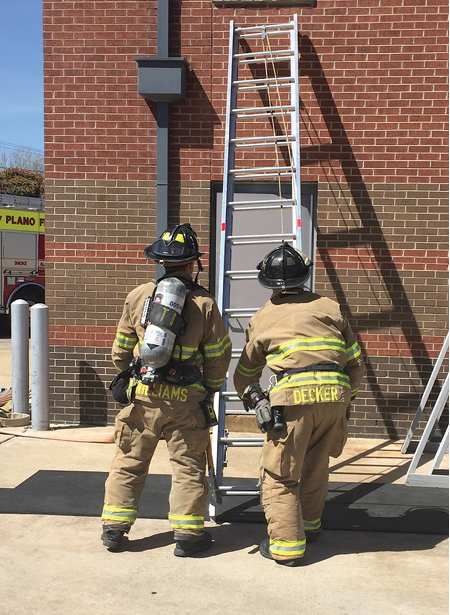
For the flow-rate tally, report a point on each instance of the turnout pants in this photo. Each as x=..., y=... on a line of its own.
x=295, y=465
x=138, y=429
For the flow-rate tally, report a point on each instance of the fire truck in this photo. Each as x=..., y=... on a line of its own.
x=22, y=250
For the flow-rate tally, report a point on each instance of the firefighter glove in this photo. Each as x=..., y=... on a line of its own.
x=255, y=398
x=263, y=415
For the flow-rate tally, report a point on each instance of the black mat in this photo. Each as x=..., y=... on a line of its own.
x=360, y=506
x=350, y=506
x=53, y=492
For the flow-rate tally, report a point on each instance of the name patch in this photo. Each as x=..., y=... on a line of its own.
x=163, y=391
x=315, y=395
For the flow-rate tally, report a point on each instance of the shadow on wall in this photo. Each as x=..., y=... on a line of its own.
x=93, y=401
x=368, y=233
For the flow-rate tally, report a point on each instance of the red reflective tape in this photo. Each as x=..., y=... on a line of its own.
x=299, y=222
x=223, y=226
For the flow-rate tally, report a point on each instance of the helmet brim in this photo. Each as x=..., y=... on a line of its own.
x=169, y=258
x=283, y=284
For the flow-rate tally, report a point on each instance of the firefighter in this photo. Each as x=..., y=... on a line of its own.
x=318, y=367
x=200, y=359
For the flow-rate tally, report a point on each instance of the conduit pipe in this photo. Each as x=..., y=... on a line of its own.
x=162, y=80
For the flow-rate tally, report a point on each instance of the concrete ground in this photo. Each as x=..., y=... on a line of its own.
x=52, y=559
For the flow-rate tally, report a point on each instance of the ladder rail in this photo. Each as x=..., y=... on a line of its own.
x=295, y=123
x=223, y=289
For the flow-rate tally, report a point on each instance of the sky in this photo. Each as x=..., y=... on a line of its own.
x=21, y=74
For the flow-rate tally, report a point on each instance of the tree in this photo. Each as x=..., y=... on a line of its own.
x=22, y=182
x=22, y=158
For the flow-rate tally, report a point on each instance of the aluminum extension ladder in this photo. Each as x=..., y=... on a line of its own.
x=261, y=145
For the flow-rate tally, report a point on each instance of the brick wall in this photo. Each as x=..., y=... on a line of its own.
x=374, y=138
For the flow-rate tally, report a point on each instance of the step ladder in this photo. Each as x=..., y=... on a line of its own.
x=435, y=476
x=261, y=145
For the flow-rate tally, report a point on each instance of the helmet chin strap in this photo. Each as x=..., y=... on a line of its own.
x=200, y=268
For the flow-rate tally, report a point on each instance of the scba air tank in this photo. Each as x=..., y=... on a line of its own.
x=162, y=320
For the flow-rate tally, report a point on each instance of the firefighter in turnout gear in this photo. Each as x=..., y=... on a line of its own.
x=318, y=367
x=168, y=404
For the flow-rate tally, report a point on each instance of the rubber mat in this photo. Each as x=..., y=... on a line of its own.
x=350, y=506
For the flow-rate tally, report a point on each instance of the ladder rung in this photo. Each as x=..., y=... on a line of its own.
x=258, y=207
x=262, y=144
x=262, y=241
x=263, y=110
x=275, y=236
x=263, y=170
x=240, y=313
x=262, y=54
x=257, y=175
x=237, y=491
x=242, y=441
x=283, y=27
x=251, y=84
x=268, y=138
x=240, y=276
x=230, y=394
x=245, y=203
x=272, y=60
x=279, y=143
x=259, y=116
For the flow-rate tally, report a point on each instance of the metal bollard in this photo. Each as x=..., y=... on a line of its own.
x=19, y=356
x=39, y=368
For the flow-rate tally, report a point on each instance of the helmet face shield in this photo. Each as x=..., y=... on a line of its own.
x=178, y=244
x=285, y=267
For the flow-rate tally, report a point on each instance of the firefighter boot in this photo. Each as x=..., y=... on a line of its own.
x=185, y=547
x=312, y=535
x=112, y=539
x=264, y=549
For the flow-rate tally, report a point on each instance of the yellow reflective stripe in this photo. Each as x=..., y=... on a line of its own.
x=213, y=382
x=197, y=385
x=286, y=548
x=314, y=525
x=125, y=341
x=306, y=344
x=312, y=379
x=183, y=353
x=354, y=391
x=247, y=372
x=114, y=513
x=187, y=522
x=187, y=353
x=218, y=349
x=353, y=352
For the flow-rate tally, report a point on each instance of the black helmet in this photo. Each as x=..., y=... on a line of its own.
x=178, y=244
x=285, y=267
